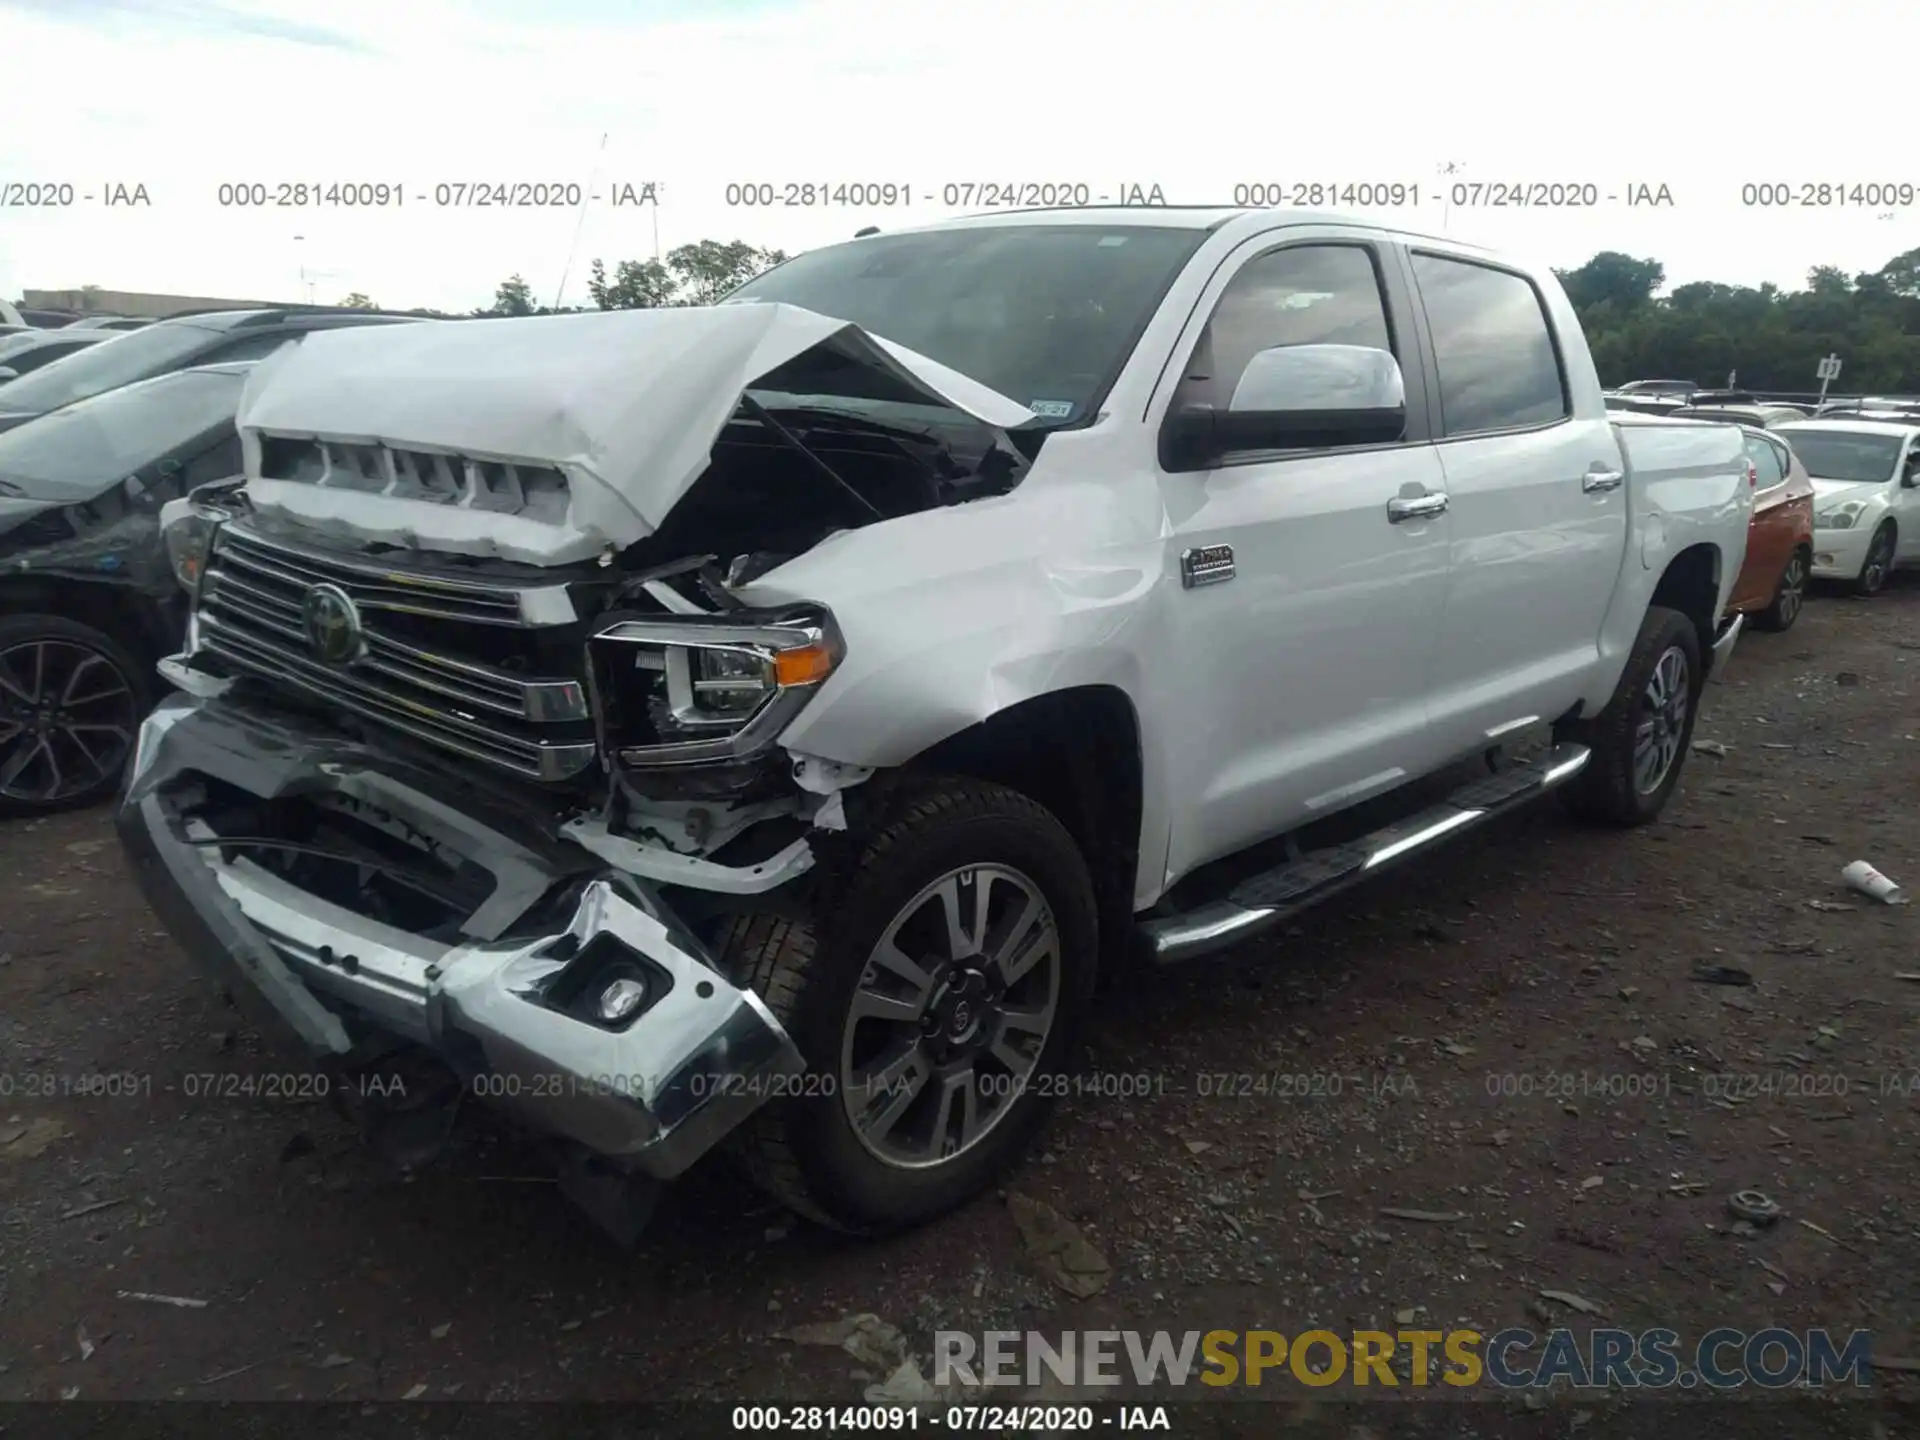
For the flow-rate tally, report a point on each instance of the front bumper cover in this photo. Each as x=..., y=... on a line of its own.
x=1840, y=554
x=652, y=1097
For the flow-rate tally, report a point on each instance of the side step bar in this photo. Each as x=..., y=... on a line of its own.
x=1266, y=899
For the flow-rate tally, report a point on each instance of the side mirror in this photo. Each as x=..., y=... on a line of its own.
x=7, y=372
x=1295, y=397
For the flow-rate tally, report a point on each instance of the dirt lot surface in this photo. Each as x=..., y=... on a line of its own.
x=1512, y=1036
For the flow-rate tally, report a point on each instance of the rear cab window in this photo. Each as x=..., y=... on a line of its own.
x=1494, y=351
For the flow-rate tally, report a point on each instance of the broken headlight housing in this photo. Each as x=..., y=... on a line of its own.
x=188, y=524
x=699, y=689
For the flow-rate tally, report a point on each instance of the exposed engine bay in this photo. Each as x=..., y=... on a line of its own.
x=630, y=693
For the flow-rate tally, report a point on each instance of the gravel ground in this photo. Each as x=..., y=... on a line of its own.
x=1512, y=1035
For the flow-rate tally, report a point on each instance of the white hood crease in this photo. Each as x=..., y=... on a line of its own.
x=1827, y=492
x=627, y=404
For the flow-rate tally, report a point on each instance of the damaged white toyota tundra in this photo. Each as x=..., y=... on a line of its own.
x=760, y=728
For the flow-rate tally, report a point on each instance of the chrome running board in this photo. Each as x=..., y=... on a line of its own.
x=1270, y=897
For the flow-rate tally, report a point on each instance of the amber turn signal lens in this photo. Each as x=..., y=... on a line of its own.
x=806, y=665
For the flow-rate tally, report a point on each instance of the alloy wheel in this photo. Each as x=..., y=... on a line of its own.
x=1663, y=720
x=67, y=717
x=952, y=1012
x=1873, y=574
x=1793, y=591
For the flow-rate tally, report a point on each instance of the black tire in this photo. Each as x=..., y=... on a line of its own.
x=802, y=1147
x=1878, y=564
x=1610, y=791
x=55, y=773
x=1789, y=596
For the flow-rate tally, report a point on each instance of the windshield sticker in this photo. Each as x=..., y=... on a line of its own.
x=1108, y=240
x=1051, y=409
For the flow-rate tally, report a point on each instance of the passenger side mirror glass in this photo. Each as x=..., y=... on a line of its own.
x=1295, y=397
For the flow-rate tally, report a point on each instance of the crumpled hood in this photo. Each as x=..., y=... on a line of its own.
x=625, y=404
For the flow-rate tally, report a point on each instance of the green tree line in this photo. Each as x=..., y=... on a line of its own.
x=1771, y=338
x=696, y=274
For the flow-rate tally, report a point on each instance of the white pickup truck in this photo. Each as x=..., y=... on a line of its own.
x=769, y=723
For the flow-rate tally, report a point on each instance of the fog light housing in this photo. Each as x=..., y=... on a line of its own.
x=621, y=998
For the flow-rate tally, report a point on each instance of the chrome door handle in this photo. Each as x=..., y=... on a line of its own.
x=1415, y=507
x=1594, y=481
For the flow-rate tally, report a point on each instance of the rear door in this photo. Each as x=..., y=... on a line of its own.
x=1537, y=499
x=1772, y=533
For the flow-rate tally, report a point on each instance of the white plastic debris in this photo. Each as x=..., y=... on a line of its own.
x=1870, y=882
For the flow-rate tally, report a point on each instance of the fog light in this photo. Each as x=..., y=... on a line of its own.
x=620, y=999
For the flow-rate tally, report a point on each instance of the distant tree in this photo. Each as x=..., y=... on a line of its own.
x=514, y=297
x=708, y=270
x=357, y=301
x=1901, y=274
x=636, y=285
x=1613, y=278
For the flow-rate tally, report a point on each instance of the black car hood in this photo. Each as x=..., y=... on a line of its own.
x=16, y=488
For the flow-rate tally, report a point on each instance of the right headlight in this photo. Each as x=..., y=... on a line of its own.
x=188, y=525
x=1840, y=517
x=679, y=690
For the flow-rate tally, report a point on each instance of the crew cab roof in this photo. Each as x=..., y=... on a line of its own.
x=1174, y=217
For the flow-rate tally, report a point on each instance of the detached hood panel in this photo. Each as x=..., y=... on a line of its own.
x=446, y=435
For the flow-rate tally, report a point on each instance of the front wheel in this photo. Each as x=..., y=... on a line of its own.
x=1789, y=599
x=1639, y=742
x=1878, y=565
x=934, y=995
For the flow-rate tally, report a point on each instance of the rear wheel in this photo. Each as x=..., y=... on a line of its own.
x=1639, y=742
x=1789, y=599
x=934, y=996
x=1878, y=565
x=71, y=699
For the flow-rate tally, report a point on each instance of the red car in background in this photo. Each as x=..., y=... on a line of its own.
x=1772, y=586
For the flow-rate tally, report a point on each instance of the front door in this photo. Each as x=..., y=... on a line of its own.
x=1307, y=616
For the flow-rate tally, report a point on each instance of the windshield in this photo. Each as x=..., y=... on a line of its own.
x=1044, y=314
x=110, y=436
x=1850, y=455
x=113, y=362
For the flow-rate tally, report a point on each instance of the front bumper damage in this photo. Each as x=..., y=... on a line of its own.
x=646, y=1100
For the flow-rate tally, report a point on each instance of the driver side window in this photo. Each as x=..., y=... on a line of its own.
x=1320, y=294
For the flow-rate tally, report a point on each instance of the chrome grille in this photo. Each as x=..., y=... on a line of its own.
x=435, y=686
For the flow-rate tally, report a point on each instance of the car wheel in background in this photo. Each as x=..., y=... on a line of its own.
x=71, y=700
x=1878, y=565
x=1789, y=599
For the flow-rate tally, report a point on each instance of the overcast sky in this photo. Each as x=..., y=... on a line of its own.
x=1197, y=96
